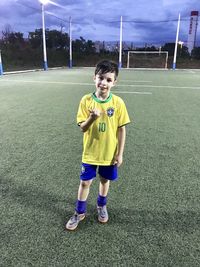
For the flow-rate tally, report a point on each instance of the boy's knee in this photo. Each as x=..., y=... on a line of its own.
x=86, y=184
x=103, y=180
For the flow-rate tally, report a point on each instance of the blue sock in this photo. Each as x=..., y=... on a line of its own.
x=101, y=201
x=81, y=206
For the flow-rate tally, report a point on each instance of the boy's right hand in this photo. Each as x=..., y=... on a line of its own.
x=95, y=113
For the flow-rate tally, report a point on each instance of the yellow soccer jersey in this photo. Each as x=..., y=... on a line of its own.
x=100, y=140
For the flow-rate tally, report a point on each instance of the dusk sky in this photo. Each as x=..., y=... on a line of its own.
x=99, y=20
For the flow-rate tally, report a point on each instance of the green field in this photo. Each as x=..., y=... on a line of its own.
x=154, y=207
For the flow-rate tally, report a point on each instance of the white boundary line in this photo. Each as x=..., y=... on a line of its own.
x=76, y=68
x=135, y=81
x=149, y=69
x=128, y=92
x=120, y=85
x=48, y=82
x=71, y=83
x=160, y=86
x=31, y=70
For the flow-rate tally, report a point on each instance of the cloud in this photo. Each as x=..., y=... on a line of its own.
x=99, y=20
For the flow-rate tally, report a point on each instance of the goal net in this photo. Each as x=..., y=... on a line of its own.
x=147, y=59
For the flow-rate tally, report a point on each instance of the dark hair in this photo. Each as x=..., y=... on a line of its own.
x=106, y=66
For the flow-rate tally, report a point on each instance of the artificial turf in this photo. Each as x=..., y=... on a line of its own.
x=154, y=207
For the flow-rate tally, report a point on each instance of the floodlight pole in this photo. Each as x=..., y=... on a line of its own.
x=1, y=67
x=44, y=40
x=120, y=45
x=176, y=44
x=70, y=42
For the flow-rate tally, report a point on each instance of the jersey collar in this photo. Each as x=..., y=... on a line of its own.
x=101, y=101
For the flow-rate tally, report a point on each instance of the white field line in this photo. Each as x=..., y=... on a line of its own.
x=160, y=86
x=191, y=71
x=92, y=84
x=148, y=69
x=48, y=82
x=128, y=92
x=132, y=81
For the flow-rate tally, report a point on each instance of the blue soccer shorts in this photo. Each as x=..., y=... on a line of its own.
x=88, y=172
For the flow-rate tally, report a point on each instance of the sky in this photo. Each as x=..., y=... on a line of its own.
x=145, y=21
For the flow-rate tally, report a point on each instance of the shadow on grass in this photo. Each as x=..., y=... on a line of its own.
x=134, y=220
x=31, y=196
x=130, y=219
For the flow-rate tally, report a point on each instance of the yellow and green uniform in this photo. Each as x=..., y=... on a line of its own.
x=100, y=140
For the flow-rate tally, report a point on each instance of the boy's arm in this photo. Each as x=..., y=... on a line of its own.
x=121, y=142
x=94, y=114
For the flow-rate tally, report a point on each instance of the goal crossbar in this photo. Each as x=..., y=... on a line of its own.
x=148, y=52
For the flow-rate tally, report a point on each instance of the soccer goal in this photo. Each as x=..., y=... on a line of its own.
x=147, y=59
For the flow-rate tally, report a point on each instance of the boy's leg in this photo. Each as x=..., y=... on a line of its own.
x=83, y=192
x=81, y=203
x=111, y=173
x=103, y=186
x=102, y=200
x=87, y=174
x=84, y=189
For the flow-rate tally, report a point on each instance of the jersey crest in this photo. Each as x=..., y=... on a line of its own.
x=110, y=111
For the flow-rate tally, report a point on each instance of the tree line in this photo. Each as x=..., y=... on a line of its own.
x=55, y=39
x=27, y=52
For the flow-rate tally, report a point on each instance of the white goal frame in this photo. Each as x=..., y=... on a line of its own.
x=147, y=52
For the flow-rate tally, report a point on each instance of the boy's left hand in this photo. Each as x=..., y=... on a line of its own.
x=118, y=160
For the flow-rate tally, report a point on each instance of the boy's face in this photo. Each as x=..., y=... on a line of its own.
x=104, y=82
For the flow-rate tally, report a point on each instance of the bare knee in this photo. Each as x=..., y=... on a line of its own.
x=85, y=184
x=103, y=180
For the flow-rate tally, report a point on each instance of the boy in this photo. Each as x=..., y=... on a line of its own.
x=102, y=117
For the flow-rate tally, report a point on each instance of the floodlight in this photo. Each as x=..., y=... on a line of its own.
x=44, y=2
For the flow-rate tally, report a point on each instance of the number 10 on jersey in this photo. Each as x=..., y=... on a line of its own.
x=102, y=127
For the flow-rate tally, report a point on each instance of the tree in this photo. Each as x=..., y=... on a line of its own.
x=54, y=39
x=35, y=38
x=13, y=40
x=5, y=34
x=89, y=47
x=169, y=47
x=16, y=39
x=196, y=53
x=182, y=51
x=78, y=45
x=57, y=40
x=6, y=31
x=81, y=46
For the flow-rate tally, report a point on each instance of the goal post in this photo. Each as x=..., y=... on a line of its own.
x=147, y=59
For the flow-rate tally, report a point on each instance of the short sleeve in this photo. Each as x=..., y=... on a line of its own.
x=82, y=114
x=123, y=117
